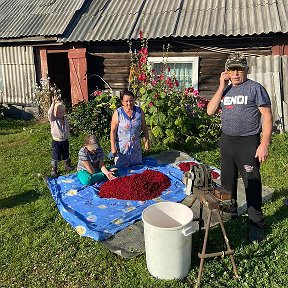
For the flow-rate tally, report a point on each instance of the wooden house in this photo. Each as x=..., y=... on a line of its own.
x=86, y=44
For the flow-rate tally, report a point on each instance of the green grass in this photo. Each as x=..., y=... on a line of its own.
x=39, y=249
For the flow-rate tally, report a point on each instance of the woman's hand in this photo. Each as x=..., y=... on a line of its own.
x=145, y=132
x=114, y=127
x=114, y=152
x=146, y=144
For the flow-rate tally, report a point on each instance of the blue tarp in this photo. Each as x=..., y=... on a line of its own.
x=100, y=218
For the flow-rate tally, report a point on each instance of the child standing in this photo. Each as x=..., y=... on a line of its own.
x=60, y=134
x=91, y=168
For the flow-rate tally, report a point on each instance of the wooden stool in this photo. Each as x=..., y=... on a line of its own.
x=208, y=200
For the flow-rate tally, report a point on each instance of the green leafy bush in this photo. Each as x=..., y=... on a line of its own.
x=94, y=116
x=175, y=115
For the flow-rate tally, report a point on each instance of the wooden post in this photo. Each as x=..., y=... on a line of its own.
x=44, y=63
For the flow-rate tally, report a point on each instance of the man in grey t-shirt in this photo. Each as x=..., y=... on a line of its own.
x=244, y=103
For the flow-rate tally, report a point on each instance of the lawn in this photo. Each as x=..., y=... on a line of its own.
x=39, y=249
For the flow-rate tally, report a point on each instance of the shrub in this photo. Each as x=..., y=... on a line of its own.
x=175, y=115
x=42, y=96
x=2, y=109
x=94, y=116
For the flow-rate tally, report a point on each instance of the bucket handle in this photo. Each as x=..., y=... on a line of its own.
x=187, y=231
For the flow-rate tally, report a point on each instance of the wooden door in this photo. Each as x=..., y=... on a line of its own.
x=78, y=75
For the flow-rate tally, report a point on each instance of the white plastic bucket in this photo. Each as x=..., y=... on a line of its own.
x=168, y=239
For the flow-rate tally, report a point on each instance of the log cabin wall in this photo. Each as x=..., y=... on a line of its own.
x=112, y=67
x=111, y=61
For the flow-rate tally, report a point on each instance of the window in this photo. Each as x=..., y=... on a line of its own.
x=185, y=69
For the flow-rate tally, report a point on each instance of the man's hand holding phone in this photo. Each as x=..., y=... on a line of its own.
x=224, y=78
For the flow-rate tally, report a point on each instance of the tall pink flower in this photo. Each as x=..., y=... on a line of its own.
x=201, y=104
x=142, y=77
x=161, y=77
x=143, y=60
x=169, y=82
x=97, y=93
x=144, y=51
x=195, y=92
x=189, y=91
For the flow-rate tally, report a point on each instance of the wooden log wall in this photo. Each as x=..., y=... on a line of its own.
x=114, y=66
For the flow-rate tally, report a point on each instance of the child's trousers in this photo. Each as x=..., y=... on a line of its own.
x=87, y=178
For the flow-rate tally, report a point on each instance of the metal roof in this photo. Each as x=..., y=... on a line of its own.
x=107, y=20
x=26, y=18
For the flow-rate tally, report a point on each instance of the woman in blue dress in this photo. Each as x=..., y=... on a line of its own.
x=127, y=123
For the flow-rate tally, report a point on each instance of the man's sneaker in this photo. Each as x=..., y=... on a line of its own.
x=231, y=210
x=256, y=234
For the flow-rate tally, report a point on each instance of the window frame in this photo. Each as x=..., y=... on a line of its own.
x=180, y=59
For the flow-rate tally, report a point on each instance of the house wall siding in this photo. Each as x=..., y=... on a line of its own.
x=17, y=71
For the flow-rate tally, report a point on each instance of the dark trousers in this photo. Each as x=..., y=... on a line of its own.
x=238, y=155
x=60, y=151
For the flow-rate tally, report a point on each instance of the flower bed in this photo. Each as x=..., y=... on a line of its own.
x=186, y=166
x=144, y=186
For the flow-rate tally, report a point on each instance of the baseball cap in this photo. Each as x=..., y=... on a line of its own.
x=236, y=60
x=93, y=142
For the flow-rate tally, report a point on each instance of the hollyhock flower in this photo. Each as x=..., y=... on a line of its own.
x=142, y=77
x=143, y=60
x=151, y=104
x=189, y=90
x=195, y=92
x=143, y=186
x=169, y=82
x=201, y=104
x=144, y=51
x=154, y=82
x=141, y=35
x=97, y=93
x=176, y=83
x=168, y=68
x=161, y=77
